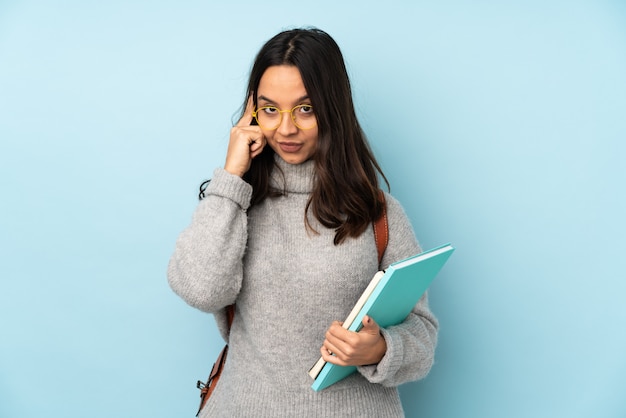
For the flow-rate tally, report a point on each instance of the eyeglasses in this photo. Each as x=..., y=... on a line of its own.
x=270, y=117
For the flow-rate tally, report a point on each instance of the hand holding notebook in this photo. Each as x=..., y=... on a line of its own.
x=388, y=299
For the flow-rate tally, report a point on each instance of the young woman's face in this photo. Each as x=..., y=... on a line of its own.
x=281, y=88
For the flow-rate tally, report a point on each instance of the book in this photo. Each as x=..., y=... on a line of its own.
x=388, y=299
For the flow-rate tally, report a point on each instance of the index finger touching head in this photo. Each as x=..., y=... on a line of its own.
x=246, y=119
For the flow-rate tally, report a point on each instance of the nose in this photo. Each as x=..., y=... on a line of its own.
x=287, y=127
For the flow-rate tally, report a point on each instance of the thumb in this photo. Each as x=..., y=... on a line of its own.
x=369, y=325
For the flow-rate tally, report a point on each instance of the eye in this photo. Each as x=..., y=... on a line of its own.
x=305, y=109
x=270, y=110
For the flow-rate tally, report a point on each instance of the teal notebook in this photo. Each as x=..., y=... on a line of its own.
x=392, y=296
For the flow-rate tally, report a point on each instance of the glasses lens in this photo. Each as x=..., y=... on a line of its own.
x=268, y=117
x=303, y=116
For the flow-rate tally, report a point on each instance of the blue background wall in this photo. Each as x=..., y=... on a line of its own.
x=501, y=128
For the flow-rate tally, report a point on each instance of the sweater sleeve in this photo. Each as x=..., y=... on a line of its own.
x=411, y=344
x=206, y=269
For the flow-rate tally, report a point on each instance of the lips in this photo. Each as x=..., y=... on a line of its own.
x=290, y=147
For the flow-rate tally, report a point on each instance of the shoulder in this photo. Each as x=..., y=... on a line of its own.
x=402, y=238
x=395, y=210
x=391, y=201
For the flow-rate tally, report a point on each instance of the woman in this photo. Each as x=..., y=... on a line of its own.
x=284, y=231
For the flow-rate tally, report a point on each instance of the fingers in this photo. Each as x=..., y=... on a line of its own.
x=256, y=146
x=246, y=142
x=339, y=344
x=339, y=335
x=340, y=354
x=246, y=119
x=347, y=348
x=333, y=354
x=370, y=326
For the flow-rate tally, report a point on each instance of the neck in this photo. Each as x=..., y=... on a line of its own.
x=293, y=178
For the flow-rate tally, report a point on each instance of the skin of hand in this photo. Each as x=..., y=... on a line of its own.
x=246, y=142
x=348, y=348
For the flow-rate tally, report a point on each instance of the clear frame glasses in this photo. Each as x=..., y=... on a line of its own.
x=270, y=117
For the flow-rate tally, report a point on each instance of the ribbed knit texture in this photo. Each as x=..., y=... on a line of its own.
x=289, y=284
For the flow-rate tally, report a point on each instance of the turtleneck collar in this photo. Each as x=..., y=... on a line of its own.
x=298, y=178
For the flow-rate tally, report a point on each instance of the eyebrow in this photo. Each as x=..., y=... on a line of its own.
x=267, y=99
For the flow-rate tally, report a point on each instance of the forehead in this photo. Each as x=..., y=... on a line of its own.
x=282, y=85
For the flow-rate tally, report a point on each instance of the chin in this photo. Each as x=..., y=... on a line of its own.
x=293, y=159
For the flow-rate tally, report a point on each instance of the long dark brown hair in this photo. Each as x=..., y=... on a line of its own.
x=345, y=191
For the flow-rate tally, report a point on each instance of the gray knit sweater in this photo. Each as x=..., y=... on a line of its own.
x=289, y=284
